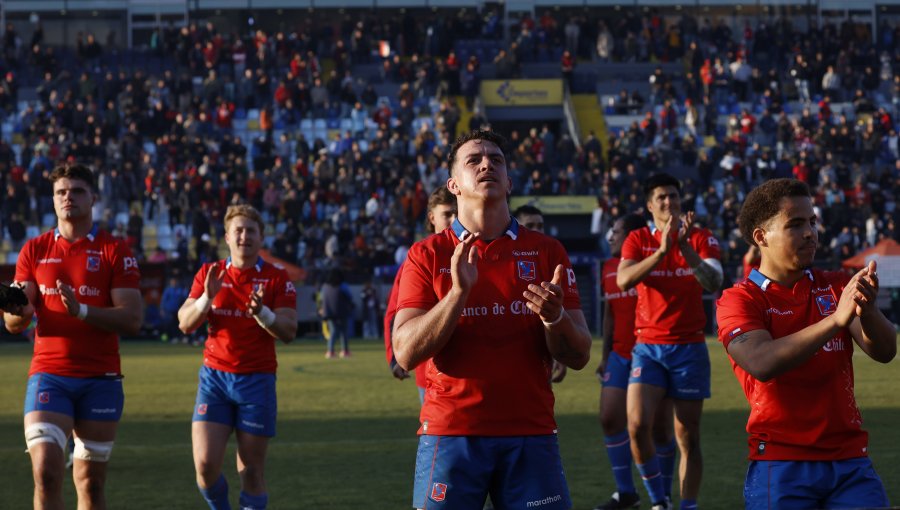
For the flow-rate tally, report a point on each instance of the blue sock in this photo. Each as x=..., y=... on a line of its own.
x=250, y=502
x=652, y=480
x=688, y=504
x=217, y=495
x=666, y=454
x=618, y=448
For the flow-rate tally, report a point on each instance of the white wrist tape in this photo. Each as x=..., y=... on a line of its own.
x=82, y=311
x=202, y=303
x=265, y=317
x=555, y=322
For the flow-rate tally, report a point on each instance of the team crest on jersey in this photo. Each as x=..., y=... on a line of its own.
x=93, y=264
x=526, y=269
x=636, y=372
x=201, y=409
x=439, y=491
x=606, y=376
x=44, y=397
x=826, y=304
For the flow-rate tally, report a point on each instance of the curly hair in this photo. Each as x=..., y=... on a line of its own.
x=478, y=134
x=762, y=204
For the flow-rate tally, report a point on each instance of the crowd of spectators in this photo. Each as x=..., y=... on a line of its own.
x=173, y=145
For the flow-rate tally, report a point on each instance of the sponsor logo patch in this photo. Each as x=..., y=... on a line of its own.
x=826, y=304
x=526, y=270
x=439, y=491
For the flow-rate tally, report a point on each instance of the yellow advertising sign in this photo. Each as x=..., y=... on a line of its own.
x=549, y=205
x=522, y=92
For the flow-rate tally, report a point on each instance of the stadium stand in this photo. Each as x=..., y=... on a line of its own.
x=200, y=115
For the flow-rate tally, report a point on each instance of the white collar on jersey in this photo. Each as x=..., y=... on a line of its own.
x=512, y=230
x=762, y=281
x=91, y=235
x=258, y=265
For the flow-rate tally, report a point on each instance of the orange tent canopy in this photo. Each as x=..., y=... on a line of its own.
x=885, y=248
x=295, y=272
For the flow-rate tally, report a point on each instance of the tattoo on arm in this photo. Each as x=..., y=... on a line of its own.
x=708, y=277
x=740, y=339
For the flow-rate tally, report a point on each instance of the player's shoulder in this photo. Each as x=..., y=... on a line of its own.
x=641, y=236
x=104, y=236
x=742, y=291
x=274, y=269
x=527, y=238
x=44, y=239
x=703, y=233
x=822, y=277
x=442, y=241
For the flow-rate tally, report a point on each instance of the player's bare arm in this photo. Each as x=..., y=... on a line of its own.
x=568, y=338
x=632, y=272
x=764, y=359
x=18, y=317
x=281, y=323
x=708, y=272
x=124, y=317
x=193, y=312
x=871, y=330
x=421, y=334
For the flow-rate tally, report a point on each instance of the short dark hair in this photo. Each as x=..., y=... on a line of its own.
x=526, y=209
x=762, y=204
x=478, y=134
x=633, y=222
x=659, y=180
x=73, y=171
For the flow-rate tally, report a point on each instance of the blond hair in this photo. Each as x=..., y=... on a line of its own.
x=247, y=211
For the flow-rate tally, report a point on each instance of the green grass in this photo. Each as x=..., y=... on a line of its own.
x=346, y=431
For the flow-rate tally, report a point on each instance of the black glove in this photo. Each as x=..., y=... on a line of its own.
x=10, y=295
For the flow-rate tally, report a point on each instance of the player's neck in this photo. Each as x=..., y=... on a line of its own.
x=243, y=263
x=659, y=223
x=786, y=277
x=491, y=221
x=74, y=230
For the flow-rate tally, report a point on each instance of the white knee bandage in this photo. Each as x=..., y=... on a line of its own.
x=94, y=451
x=44, y=433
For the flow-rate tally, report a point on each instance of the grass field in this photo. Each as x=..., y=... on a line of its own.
x=346, y=431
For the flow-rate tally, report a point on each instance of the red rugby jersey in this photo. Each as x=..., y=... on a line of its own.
x=236, y=342
x=622, y=305
x=808, y=413
x=670, y=302
x=492, y=377
x=94, y=265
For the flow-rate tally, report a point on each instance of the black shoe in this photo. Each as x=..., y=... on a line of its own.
x=619, y=501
